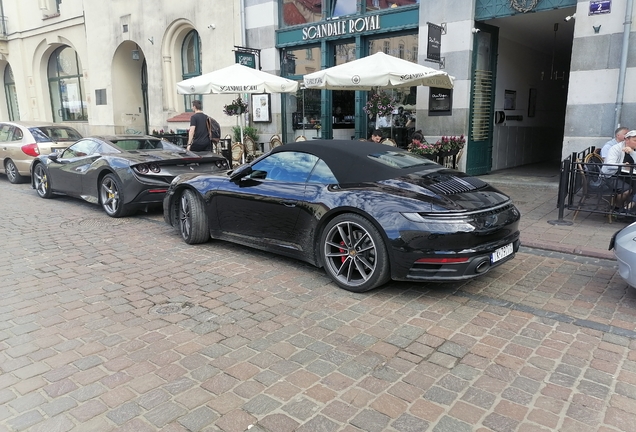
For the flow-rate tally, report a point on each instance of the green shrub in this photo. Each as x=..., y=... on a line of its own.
x=248, y=131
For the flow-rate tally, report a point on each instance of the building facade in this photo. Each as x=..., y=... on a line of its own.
x=534, y=80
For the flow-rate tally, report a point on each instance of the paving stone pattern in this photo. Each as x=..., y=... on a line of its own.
x=117, y=325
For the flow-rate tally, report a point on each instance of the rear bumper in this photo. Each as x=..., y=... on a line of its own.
x=476, y=265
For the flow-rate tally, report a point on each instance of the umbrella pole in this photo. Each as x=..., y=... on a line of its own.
x=241, y=119
x=303, y=119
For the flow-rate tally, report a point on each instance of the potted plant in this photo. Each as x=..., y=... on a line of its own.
x=248, y=131
x=424, y=149
x=235, y=108
x=450, y=145
x=379, y=105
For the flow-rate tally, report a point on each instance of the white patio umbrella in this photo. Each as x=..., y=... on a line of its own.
x=378, y=70
x=236, y=79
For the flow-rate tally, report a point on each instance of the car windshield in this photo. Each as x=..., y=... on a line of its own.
x=129, y=144
x=400, y=159
x=55, y=133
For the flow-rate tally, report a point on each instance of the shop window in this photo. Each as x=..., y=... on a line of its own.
x=344, y=53
x=389, y=4
x=307, y=110
x=404, y=46
x=11, y=94
x=300, y=62
x=66, y=86
x=191, y=63
x=344, y=7
x=296, y=12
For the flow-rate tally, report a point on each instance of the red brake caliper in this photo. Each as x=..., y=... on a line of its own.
x=342, y=251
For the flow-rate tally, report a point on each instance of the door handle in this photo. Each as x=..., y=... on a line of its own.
x=289, y=203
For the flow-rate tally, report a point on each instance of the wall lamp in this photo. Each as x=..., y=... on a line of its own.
x=569, y=17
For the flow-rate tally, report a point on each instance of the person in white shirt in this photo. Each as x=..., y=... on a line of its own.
x=615, y=158
x=619, y=136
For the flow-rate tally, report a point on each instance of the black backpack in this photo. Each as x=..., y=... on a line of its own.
x=214, y=130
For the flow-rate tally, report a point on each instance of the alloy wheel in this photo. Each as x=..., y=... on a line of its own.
x=185, y=216
x=350, y=253
x=41, y=181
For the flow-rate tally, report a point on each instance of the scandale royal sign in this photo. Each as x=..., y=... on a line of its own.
x=345, y=26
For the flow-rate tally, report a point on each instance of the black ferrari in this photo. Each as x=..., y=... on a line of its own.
x=365, y=212
x=121, y=173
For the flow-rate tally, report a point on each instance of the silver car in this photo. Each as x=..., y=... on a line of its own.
x=624, y=245
x=21, y=142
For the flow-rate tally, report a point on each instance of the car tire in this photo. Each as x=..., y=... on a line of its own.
x=111, y=196
x=41, y=182
x=12, y=172
x=192, y=220
x=354, y=254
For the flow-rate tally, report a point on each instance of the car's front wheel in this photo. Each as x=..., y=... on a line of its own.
x=193, y=222
x=41, y=181
x=354, y=254
x=111, y=196
x=12, y=172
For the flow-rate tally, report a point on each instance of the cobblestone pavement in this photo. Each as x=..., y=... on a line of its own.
x=117, y=325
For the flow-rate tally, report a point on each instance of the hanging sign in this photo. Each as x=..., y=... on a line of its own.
x=600, y=7
x=440, y=101
x=434, y=45
x=245, y=59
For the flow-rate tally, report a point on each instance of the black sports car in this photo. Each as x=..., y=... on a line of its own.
x=122, y=173
x=365, y=212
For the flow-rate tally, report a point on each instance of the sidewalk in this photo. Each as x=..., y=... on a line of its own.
x=534, y=191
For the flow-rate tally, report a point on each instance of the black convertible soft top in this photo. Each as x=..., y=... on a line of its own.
x=349, y=161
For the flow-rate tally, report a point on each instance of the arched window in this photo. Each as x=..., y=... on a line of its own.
x=11, y=95
x=66, y=86
x=191, y=63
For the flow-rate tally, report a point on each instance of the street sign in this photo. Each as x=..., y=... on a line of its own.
x=600, y=7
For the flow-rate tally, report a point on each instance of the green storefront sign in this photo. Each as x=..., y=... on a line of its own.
x=245, y=59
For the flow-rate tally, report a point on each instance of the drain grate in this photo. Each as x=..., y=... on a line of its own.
x=171, y=308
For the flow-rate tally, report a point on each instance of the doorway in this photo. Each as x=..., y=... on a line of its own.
x=520, y=118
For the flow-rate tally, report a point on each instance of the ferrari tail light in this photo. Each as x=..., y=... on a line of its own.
x=143, y=168
x=31, y=150
x=442, y=260
x=154, y=167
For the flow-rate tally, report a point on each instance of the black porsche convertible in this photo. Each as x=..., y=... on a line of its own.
x=121, y=173
x=365, y=212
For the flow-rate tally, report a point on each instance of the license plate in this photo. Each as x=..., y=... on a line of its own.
x=501, y=253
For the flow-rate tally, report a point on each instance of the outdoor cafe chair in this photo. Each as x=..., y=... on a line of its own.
x=594, y=186
x=237, y=153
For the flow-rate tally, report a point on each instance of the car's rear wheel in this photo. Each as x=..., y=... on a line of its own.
x=354, y=254
x=111, y=196
x=12, y=172
x=193, y=223
x=41, y=181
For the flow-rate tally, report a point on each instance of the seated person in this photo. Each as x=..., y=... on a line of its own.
x=615, y=157
x=376, y=136
x=619, y=136
x=417, y=137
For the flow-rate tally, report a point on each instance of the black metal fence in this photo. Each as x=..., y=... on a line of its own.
x=587, y=184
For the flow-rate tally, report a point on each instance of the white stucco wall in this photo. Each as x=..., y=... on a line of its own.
x=95, y=30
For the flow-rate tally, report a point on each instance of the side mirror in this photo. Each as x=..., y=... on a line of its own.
x=240, y=172
x=53, y=156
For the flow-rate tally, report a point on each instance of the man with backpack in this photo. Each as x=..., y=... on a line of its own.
x=204, y=130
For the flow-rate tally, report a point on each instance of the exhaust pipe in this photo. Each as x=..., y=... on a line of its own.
x=483, y=266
